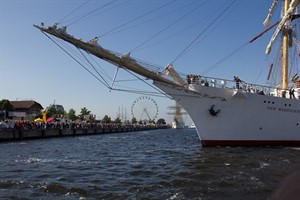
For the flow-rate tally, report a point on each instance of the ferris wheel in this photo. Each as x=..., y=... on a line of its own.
x=144, y=108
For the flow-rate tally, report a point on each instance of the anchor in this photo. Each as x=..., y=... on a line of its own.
x=212, y=111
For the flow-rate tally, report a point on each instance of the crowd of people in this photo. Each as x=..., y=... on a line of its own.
x=31, y=125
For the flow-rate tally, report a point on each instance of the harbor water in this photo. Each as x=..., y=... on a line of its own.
x=156, y=164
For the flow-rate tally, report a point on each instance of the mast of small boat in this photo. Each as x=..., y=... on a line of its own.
x=285, y=51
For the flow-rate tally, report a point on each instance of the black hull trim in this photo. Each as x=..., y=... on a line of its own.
x=208, y=143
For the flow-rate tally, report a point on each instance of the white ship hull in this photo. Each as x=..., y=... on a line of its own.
x=244, y=119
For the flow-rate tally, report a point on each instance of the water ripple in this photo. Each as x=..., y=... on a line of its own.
x=165, y=164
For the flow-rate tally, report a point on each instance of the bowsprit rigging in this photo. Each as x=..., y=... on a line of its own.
x=101, y=75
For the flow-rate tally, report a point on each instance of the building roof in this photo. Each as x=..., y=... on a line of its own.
x=24, y=104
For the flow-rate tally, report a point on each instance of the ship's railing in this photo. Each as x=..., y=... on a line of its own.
x=234, y=84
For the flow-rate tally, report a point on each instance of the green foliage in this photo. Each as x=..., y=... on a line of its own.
x=5, y=107
x=84, y=111
x=71, y=114
x=151, y=122
x=161, y=121
x=117, y=120
x=133, y=120
x=51, y=112
x=106, y=119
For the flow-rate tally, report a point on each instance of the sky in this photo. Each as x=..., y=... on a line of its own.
x=32, y=67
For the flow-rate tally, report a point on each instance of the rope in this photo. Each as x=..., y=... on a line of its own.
x=184, y=50
x=137, y=18
x=223, y=59
x=157, y=94
x=59, y=21
x=150, y=20
x=167, y=27
x=207, y=33
x=89, y=13
x=93, y=67
x=74, y=58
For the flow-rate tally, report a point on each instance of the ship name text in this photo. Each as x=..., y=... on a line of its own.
x=284, y=109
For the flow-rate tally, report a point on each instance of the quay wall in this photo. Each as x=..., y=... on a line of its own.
x=22, y=134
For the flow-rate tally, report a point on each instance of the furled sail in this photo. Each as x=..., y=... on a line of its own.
x=284, y=21
x=271, y=10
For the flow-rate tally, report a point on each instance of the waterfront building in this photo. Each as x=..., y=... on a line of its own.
x=25, y=109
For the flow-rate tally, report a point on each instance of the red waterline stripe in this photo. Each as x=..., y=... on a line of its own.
x=207, y=143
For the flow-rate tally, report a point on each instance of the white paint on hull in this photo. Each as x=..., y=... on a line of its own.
x=243, y=116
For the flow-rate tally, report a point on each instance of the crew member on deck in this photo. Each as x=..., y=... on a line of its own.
x=237, y=81
x=291, y=91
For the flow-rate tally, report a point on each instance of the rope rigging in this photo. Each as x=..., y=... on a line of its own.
x=159, y=93
x=200, y=34
x=167, y=27
x=61, y=20
x=137, y=18
x=105, y=83
x=114, y=31
x=87, y=15
x=184, y=29
x=238, y=49
x=75, y=59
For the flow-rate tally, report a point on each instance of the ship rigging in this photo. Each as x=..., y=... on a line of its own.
x=224, y=112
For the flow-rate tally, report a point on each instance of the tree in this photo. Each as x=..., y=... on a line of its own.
x=161, y=121
x=71, y=114
x=51, y=112
x=151, y=122
x=118, y=120
x=106, y=119
x=84, y=112
x=133, y=120
x=5, y=107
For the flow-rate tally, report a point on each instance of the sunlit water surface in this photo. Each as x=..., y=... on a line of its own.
x=160, y=164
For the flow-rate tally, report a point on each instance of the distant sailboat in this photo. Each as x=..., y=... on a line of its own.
x=177, y=112
x=246, y=114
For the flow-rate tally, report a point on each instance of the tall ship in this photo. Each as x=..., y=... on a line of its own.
x=177, y=112
x=225, y=112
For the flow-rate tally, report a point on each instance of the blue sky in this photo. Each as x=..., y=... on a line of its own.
x=34, y=68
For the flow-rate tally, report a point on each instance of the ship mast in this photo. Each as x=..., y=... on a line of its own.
x=285, y=51
x=284, y=27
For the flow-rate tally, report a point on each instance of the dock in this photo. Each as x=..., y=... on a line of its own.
x=12, y=134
